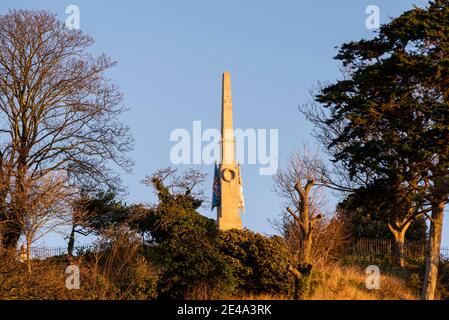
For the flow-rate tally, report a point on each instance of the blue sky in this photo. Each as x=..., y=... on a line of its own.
x=171, y=55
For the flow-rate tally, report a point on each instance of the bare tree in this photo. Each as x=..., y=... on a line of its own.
x=45, y=204
x=58, y=113
x=298, y=185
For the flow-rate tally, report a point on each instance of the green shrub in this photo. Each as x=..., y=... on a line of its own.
x=259, y=264
x=415, y=282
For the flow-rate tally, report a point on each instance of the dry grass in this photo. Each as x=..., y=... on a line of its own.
x=46, y=282
x=104, y=278
x=337, y=282
x=334, y=283
x=256, y=297
x=117, y=272
x=348, y=283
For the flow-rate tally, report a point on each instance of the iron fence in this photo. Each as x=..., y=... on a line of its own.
x=412, y=249
x=47, y=252
x=361, y=247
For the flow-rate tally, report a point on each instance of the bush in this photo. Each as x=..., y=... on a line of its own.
x=118, y=269
x=259, y=264
x=415, y=282
x=191, y=265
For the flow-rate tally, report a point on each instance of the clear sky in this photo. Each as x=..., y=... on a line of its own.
x=171, y=55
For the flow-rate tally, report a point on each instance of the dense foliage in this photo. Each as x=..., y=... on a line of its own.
x=369, y=220
x=260, y=264
x=388, y=119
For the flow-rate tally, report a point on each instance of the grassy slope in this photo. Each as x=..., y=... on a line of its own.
x=348, y=283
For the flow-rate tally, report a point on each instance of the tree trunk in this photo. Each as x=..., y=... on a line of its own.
x=10, y=236
x=11, y=228
x=399, y=248
x=305, y=224
x=28, y=255
x=433, y=251
x=71, y=243
x=398, y=230
x=306, y=248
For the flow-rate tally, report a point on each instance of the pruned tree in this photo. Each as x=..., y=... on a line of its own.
x=298, y=184
x=58, y=113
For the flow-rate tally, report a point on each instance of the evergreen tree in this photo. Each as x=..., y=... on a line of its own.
x=393, y=108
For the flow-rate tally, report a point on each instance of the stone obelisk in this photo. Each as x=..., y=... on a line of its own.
x=231, y=196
